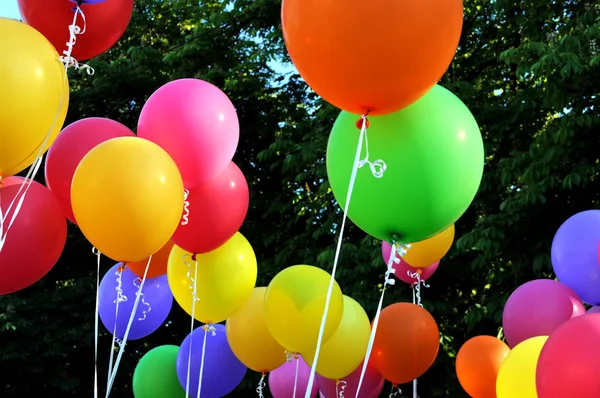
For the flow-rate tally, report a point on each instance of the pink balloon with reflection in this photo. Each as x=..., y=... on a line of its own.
x=282, y=380
x=371, y=382
x=403, y=269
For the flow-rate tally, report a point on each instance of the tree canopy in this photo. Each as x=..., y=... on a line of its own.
x=527, y=70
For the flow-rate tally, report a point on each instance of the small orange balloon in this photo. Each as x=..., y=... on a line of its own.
x=377, y=56
x=406, y=343
x=477, y=365
x=427, y=252
x=158, y=265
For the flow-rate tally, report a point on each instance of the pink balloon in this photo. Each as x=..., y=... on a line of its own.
x=196, y=124
x=537, y=308
x=403, y=268
x=71, y=145
x=281, y=380
x=370, y=384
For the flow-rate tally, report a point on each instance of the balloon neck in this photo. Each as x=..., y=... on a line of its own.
x=2, y=183
x=122, y=267
x=194, y=257
x=363, y=120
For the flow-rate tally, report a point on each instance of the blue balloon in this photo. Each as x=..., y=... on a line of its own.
x=222, y=371
x=576, y=256
x=153, y=309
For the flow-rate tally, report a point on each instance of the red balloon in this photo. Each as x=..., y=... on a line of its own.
x=213, y=212
x=71, y=145
x=105, y=23
x=569, y=363
x=36, y=238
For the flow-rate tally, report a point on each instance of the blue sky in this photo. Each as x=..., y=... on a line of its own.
x=9, y=9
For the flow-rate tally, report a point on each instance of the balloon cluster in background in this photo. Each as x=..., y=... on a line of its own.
x=551, y=347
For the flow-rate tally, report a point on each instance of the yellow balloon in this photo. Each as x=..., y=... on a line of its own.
x=249, y=337
x=516, y=377
x=127, y=197
x=34, y=95
x=426, y=252
x=294, y=306
x=346, y=349
x=225, y=279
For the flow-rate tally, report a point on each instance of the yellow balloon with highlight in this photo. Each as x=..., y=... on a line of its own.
x=127, y=197
x=294, y=306
x=224, y=277
x=426, y=252
x=345, y=350
x=516, y=377
x=249, y=337
x=34, y=95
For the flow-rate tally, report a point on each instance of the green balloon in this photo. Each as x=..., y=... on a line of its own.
x=155, y=375
x=434, y=155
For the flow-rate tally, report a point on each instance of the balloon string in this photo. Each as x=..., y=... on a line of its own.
x=75, y=30
x=296, y=376
x=414, y=294
x=186, y=208
x=378, y=167
x=148, y=308
x=387, y=281
x=120, y=298
x=261, y=385
x=356, y=165
x=207, y=329
x=96, y=316
x=417, y=287
x=340, y=387
x=126, y=335
x=396, y=391
x=194, y=299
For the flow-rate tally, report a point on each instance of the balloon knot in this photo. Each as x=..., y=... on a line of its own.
x=1, y=181
x=122, y=268
x=359, y=122
x=194, y=257
x=208, y=328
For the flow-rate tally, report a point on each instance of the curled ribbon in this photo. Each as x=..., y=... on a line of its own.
x=75, y=30
x=136, y=283
x=186, y=208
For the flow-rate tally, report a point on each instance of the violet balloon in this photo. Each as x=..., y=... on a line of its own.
x=403, y=270
x=153, y=309
x=575, y=256
x=222, y=371
x=537, y=308
x=371, y=382
x=283, y=379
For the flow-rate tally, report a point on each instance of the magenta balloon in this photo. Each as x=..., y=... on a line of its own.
x=594, y=310
x=281, y=380
x=196, y=124
x=370, y=383
x=537, y=308
x=375, y=393
x=403, y=268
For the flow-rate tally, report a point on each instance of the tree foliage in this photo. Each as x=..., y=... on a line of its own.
x=529, y=72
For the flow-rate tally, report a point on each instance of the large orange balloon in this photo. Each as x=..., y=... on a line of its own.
x=406, y=343
x=427, y=252
x=158, y=265
x=377, y=55
x=477, y=365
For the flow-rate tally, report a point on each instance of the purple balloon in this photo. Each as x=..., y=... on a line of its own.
x=371, y=383
x=594, y=310
x=575, y=255
x=153, y=309
x=537, y=308
x=222, y=371
x=281, y=380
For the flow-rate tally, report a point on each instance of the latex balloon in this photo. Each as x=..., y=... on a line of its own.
x=35, y=95
x=127, y=197
x=400, y=51
x=294, y=306
x=213, y=212
x=155, y=375
x=104, y=24
x=575, y=255
x=406, y=343
x=158, y=263
x=224, y=278
x=434, y=156
x=73, y=143
x=345, y=350
x=477, y=364
x=537, y=308
x=403, y=271
x=369, y=388
x=39, y=222
x=291, y=379
x=569, y=363
x=196, y=124
x=516, y=377
x=426, y=252
x=249, y=337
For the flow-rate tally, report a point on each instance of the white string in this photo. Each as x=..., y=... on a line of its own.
x=396, y=391
x=131, y=320
x=75, y=30
x=415, y=380
x=376, y=173
x=207, y=329
x=120, y=298
x=296, y=376
x=417, y=287
x=340, y=387
x=148, y=308
x=377, y=167
x=194, y=299
x=186, y=208
x=96, y=316
x=261, y=386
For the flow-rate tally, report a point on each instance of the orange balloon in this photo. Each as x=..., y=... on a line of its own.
x=158, y=265
x=427, y=252
x=477, y=365
x=374, y=56
x=406, y=343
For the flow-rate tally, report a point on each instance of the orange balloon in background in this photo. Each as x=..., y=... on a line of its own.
x=427, y=252
x=378, y=56
x=477, y=365
x=158, y=265
x=406, y=343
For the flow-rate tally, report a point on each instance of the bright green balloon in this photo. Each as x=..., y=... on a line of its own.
x=155, y=375
x=434, y=155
